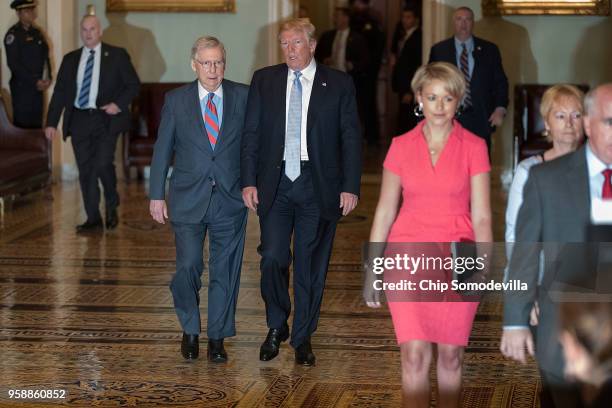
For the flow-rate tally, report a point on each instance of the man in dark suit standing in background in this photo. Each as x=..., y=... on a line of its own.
x=27, y=56
x=365, y=22
x=406, y=57
x=300, y=170
x=486, y=97
x=201, y=125
x=94, y=89
x=344, y=49
x=558, y=206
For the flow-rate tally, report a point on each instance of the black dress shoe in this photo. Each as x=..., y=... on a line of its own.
x=112, y=219
x=190, y=346
x=304, y=354
x=216, y=352
x=89, y=226
x=269, y=348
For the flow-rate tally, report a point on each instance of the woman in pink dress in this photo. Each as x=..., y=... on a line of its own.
x=439, y=172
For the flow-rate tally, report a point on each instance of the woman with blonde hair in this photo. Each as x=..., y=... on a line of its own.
x=439, y=172
x=562, y=110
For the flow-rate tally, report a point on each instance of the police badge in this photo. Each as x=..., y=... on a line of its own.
x=9, y=39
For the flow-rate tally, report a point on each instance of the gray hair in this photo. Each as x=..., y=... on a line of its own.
x=206, y=42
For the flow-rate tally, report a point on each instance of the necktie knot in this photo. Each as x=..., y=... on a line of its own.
x=92, y=52
x=211, y=97
x=464, y=47
x=607, y=174
x=298, y=74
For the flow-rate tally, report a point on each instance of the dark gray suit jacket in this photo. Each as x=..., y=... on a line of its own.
x=556, y=210
x=196, y=165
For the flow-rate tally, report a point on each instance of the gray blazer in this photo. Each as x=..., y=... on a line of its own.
x=556, y=210
x=197, y=167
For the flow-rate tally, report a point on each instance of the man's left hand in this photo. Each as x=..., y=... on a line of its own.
x=111, y=108
x=497, y=117
x=42, y=84
x=348, y=202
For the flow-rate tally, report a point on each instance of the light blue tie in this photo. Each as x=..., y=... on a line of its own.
x=86, y=84
x=294, y=124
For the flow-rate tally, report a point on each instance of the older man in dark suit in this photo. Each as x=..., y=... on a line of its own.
x=201, y=125
x=300, y=170
x=95, y=86
x=486, y=97
x=559, y=204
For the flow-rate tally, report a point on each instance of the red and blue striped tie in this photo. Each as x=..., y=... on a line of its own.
x=211, y=120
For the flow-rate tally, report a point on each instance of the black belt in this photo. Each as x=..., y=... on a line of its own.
x=88, y=110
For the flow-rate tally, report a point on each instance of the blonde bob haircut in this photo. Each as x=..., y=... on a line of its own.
x=453, y=80
x=556, y=94
x=299, y=24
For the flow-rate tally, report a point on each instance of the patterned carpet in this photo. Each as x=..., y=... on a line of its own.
x=92, y=316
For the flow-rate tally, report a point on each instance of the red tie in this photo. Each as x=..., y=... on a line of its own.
x=606, y=192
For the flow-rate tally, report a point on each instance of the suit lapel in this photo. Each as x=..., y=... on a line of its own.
x=280, y=98
x=317, y=96
x=229, y=103
x=75, y=74
x=578, y=184
x=476, y=54
x=193, y=109
x=105, y=62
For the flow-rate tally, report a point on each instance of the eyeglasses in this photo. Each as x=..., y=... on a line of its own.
x=209, y=64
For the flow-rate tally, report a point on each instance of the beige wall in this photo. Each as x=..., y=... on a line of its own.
x=159, y=43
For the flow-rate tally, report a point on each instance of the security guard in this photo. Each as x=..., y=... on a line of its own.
x=27, y=54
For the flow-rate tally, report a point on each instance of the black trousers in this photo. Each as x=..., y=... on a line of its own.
x=94, y=150
x=226, y=244
x=295, y=211
x=27, y=106
x=366, y=95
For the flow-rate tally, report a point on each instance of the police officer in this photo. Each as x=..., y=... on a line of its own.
x=27, y=54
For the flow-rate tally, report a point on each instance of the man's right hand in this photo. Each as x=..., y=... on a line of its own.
x=50, y=132
x=249, y=196
x=515, y=341
x=158, y=210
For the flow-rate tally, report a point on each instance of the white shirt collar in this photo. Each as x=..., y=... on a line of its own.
x=308, y=72
x=410, y=31
x=97, y=49
x=203, y=93
x=594, y=165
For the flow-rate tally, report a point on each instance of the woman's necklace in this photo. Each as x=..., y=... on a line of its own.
x=432, y=149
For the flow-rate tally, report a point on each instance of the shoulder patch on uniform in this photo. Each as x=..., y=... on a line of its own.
x=9, y=39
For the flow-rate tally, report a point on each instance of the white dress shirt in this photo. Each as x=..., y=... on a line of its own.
x=306, y=80
x=95, y=77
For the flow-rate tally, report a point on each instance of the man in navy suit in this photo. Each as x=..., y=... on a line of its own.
x=201, y=126
x=95, y=86
x=300, y=170
x=484, y=106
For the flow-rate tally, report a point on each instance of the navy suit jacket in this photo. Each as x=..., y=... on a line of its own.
x=488, y=85
x=119, y=83
x=196, y=165
x=333, y=137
